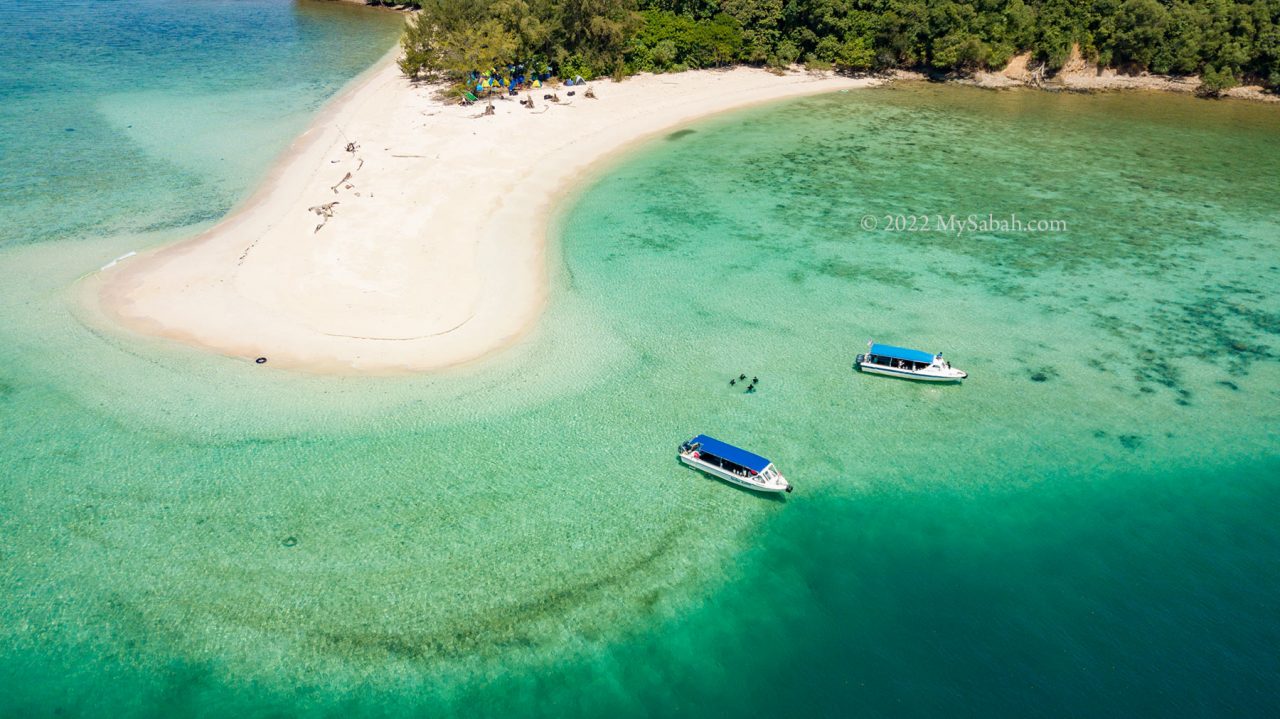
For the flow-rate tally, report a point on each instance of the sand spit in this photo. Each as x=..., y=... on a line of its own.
x=402, y=234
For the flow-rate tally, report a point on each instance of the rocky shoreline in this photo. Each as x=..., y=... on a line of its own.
x=1078, y=75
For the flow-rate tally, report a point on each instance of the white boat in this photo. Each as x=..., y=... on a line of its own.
x=733, y=464
x=907, y=363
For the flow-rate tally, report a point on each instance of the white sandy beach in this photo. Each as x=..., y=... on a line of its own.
x=436, y=251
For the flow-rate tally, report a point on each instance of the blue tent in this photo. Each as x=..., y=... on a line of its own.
x=901, y=353
x=728, y=452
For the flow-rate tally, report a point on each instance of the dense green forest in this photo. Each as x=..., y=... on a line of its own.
x=1226, y=41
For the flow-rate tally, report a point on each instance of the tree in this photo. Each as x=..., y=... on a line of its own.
x=443, y=34
x=1139, y=32
x=1213, y=82
x=760, y=21
x=597, y=31
x=959, y=51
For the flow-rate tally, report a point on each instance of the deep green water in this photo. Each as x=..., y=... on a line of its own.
x=1087, y=527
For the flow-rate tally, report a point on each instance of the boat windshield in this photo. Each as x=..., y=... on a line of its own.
x=732, y=467
x=895, y=363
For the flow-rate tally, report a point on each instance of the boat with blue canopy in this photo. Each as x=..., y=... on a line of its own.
x=733, y=464
x=907, y=363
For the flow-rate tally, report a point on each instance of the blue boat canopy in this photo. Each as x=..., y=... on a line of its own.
x=901, y=353
x=740, y=457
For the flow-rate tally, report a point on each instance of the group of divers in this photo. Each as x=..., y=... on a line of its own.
x=745, y=469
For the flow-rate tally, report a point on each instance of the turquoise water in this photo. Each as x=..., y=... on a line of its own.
x=1086, y=527
x=142, y=115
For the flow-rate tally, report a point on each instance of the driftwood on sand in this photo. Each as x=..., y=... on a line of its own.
x=1037, y=75
x=352, y=147
x=325, y=211
x=340, y=182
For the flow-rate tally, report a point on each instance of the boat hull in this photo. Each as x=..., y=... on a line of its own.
x=909, y=374
x=732, y=478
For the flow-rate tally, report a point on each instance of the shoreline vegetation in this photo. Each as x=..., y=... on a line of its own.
x=1214, y=48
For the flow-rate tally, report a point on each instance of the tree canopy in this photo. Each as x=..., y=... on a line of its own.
x=1224, y=40
x=454, y=37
